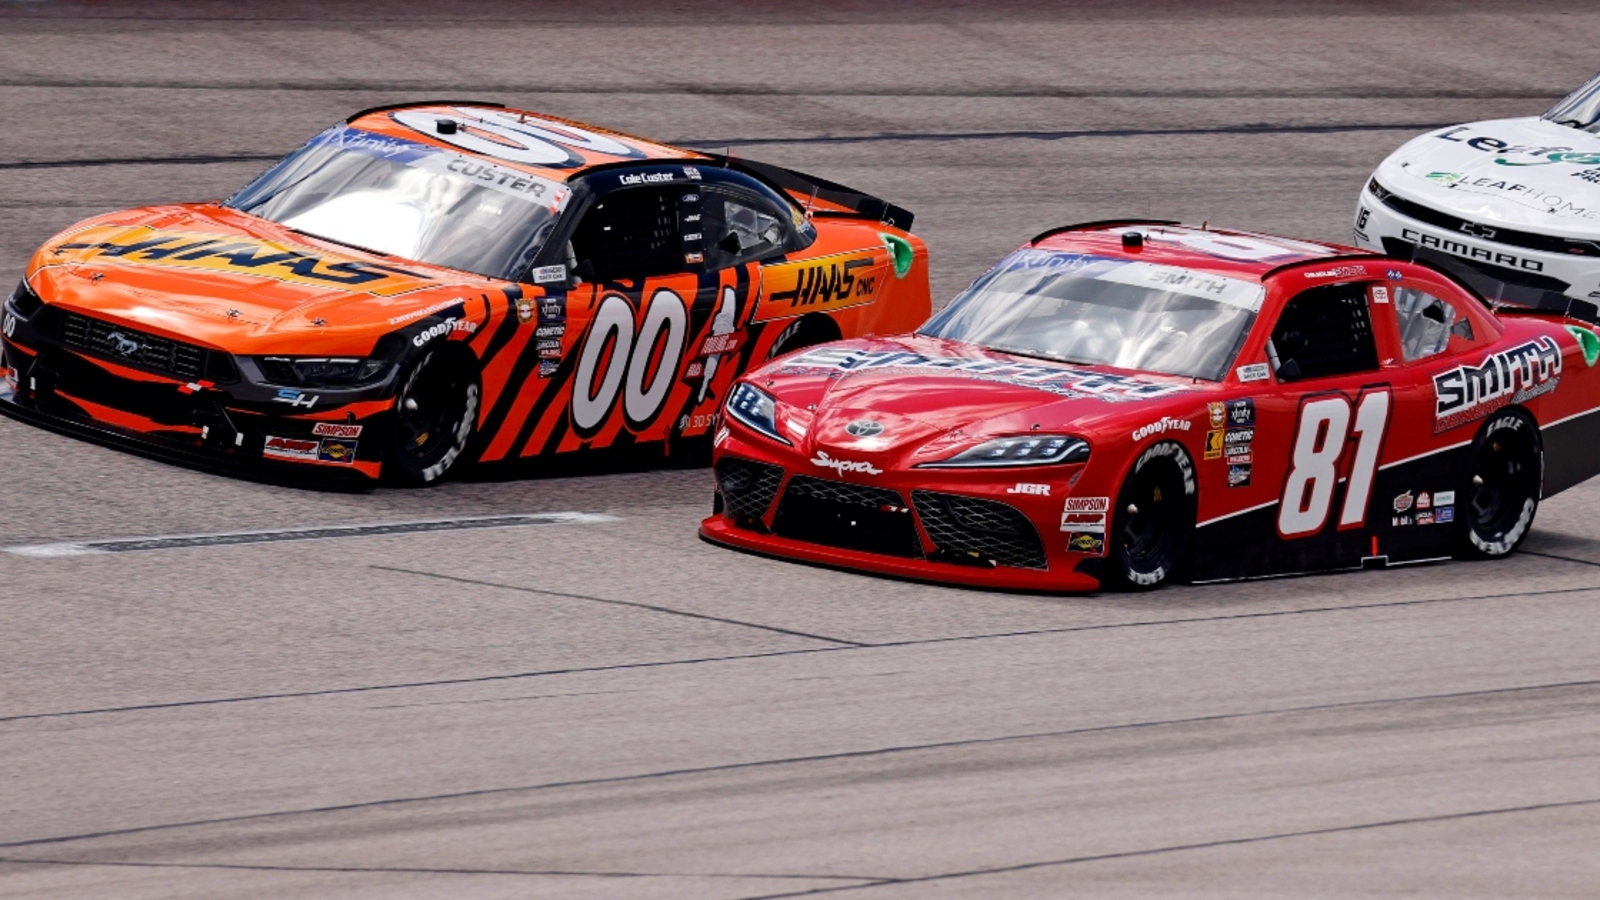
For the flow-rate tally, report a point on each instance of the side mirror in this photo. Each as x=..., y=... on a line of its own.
x=1288, y=370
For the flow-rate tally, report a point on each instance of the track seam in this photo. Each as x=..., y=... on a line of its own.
x=802, y=760
x=581, y=670
x=1181, y=848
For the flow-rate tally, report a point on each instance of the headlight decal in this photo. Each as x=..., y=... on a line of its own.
x=755, y=409
x=1021, y=450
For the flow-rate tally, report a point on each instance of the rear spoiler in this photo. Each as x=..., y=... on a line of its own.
x=799, y=184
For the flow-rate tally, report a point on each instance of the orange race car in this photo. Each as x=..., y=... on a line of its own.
x=428, y=284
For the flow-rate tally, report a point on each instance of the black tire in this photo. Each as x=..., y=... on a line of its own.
x=1496, y=505
x=1153, y=519
x=436, y=411
x=803, y=332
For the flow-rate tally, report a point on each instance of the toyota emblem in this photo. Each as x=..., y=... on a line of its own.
x=864, y=428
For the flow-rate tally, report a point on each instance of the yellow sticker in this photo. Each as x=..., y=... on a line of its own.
x=824, y=284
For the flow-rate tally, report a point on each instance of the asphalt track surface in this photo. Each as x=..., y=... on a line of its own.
x=602, y=706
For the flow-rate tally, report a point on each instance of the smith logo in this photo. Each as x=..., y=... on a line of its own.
x=243, y=256
x=1468, y=393
x=820, y=285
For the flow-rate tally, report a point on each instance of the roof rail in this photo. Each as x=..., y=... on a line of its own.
x=1101, y=223
x=375, y=109
x=1341, y=257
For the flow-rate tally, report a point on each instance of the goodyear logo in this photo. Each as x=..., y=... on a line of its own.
x=821, y=285
x=243, y=256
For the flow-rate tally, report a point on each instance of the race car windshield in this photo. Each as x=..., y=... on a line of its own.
x=1100, y=311
x=1580, y=109
x=411, y=200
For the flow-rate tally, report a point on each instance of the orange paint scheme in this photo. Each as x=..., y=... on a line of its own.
x=178, y=325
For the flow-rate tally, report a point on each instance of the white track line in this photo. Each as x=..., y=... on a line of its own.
x=326, y=532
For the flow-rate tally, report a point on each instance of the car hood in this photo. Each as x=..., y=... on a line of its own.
x=211, y=273
x=928, y=397
x=1529, y=174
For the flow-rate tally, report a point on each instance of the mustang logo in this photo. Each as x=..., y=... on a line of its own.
x=845, y=465
x=121, y=344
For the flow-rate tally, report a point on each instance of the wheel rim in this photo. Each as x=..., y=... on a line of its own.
x=430, y=407
x=1157, y=499
x=1503, y=482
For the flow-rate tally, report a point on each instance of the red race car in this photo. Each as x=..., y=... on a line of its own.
x=1129, y=403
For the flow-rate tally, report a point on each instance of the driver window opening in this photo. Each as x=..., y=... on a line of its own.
x=630, y=234
x=740, y=229
x=1323, y=331
x=1426, y=323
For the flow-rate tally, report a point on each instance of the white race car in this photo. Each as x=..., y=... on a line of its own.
x=1511, y=206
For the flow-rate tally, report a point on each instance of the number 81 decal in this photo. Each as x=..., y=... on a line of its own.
x=1326, y=425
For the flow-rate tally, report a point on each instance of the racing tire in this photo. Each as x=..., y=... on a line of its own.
x=1496, y=505
x=436, y=412
x=1154, y=519
x=806, y=331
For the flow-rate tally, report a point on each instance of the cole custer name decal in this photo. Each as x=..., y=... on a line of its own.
x=824, y=284
x=241, y=255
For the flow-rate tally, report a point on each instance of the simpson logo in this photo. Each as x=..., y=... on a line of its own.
x=820, y=285
x=1039, y=490
x=1085, y=514
x=1339, y=272
x=290, y=448
x=1468, y=393
x=845, y=465
x=335, y=430
x=1162, y=426
x=239, y=255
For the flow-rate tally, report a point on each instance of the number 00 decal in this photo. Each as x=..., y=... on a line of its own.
x=1319, y=440
x=628, y=368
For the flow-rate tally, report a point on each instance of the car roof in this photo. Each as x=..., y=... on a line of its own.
x=1237, y=254
x=588, y=154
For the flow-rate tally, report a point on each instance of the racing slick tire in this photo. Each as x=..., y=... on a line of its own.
x=1495, y=508
x=436, y=412
x=803, y=332
x=1153, y=520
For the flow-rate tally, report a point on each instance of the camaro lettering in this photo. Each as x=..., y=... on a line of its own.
x=845, y=465
x=1468, y=393
x=1458, y=248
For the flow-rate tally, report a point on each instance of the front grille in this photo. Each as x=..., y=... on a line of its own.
x=971, y=529
x=848, y=516
x=747, y=487
x=137, y=348
x=1492, y=233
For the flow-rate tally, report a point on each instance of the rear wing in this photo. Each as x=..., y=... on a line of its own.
x=836, y=199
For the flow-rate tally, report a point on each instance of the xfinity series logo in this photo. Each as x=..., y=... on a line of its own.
x=1467, y=393
x=845, y=465
x=1164, y=425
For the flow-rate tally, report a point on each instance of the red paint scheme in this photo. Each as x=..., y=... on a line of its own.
x=931, y=414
